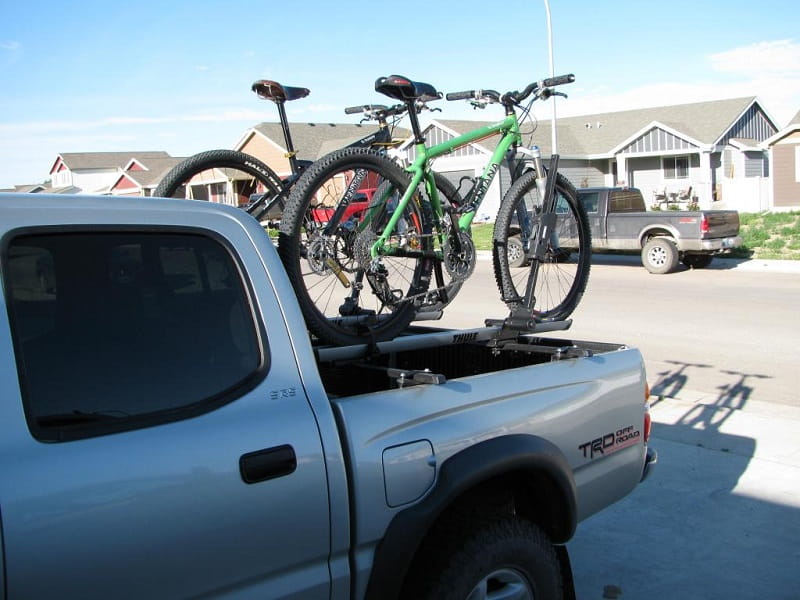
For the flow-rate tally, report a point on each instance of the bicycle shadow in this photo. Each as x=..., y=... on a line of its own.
x=707, y=506
x=671, y=383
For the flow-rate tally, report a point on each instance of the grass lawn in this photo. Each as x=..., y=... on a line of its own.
x=770, y=235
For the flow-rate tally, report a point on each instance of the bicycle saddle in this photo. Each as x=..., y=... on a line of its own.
x=402, y=88
x=272, y=90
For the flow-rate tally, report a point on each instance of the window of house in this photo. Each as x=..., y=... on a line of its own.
x=676, y=167
x=117, y=331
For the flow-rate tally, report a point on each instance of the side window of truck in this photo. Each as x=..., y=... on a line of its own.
x=121, y=330
x=589, y=201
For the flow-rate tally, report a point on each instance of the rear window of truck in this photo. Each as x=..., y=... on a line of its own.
x=625, y=201
x=120, y=330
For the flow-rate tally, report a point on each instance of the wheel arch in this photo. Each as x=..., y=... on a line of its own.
x=522, y=473
x=660, y=230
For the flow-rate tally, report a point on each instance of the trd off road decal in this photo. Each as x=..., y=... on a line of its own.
x=610, y=442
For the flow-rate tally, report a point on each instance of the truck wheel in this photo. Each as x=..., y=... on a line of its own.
x=697, y=261
x=660, y=255
x=506, y=558
x=516, y=252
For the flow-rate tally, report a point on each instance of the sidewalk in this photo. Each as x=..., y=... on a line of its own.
x=719, y=517
x=718, y=264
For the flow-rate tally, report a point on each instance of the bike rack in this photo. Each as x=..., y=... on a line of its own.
x=513, y=333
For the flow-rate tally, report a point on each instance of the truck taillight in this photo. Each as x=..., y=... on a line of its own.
x=704, y=225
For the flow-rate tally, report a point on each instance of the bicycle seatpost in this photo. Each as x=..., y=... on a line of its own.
x=411, y=106
x=291, y=154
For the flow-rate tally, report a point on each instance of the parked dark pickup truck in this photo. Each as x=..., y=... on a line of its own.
x=619, y=221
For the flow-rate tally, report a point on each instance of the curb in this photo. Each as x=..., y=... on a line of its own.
x=718, y=264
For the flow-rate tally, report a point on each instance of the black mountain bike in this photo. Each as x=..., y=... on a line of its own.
x=259, y=190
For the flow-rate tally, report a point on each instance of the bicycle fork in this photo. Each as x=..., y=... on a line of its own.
x=546, y=184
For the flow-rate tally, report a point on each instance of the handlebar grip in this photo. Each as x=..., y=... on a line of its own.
x=467, y=95
x=351, y=110
x=558, y=80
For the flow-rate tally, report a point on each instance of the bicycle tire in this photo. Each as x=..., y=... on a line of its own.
x=184, y=171
x=325, y=238
x=561, y=277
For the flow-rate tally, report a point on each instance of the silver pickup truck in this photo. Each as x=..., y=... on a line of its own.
x=619, y=221
x=168, y=430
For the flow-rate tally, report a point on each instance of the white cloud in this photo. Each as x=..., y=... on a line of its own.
x=768, y=70
x=10, y=45
x=760, y=59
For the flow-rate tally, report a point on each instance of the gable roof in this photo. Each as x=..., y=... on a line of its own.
x=601, y=134
x=155, y=170
x=795, y=119
x=313, y=140
x=104, y=160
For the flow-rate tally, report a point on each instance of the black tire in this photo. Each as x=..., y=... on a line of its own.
x=697, y=261
x=505, y=558
x=324, y=243
x=660, y=255
x=560, y=279
x=250, y=174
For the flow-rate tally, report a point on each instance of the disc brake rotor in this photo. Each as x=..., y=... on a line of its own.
x=460, y=263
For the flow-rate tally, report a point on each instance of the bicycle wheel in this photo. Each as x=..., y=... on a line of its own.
x=334, y=214
x=559, y=278
x=229, y=177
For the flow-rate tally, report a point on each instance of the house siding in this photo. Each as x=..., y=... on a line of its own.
x=752, y=125
x=584, y=173
x=786, y=190
x=268, y=153
x=657, y=140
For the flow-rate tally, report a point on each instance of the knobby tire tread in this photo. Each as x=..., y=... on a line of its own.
x=289, y=246
x=503, y=277
x=221, y=159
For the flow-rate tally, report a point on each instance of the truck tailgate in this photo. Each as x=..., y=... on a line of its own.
x=721, y=223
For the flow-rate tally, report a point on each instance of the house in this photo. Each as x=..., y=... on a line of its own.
x=95, y=172
x=27, y=189
x=265, y=141
x=707, y=152
x=784, y=149
x=140, y=176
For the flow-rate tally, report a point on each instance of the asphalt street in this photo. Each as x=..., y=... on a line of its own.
x=719, y=518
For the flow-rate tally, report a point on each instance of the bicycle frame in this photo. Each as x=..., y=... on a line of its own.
x=419, y=170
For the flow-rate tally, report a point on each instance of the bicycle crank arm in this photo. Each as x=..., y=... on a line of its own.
x=337, y=270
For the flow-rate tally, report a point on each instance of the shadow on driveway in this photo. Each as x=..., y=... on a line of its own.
x=717, y=519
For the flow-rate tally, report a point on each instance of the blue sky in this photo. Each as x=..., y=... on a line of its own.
x=175, y=75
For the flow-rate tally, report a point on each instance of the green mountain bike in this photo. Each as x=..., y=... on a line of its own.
x=410, y=251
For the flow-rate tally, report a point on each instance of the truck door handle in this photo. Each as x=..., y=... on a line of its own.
x=267, y=464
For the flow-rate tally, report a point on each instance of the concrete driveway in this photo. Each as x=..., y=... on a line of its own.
x=720, y=516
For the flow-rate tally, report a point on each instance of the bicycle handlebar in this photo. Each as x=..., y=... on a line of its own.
x=515, y=97
x=351, y=110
